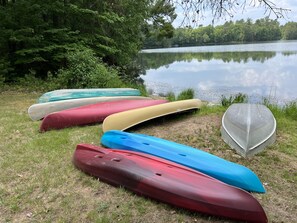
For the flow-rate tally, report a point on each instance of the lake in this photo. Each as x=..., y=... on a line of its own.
x=258, y=70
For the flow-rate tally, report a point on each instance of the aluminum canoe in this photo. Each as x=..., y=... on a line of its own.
x=216, y=167
x=248, y=128
x=168, y=182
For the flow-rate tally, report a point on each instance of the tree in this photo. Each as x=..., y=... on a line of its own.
x=267, y=29
x=161, y=16
x=240, y=31
x=38, y=34
x=289, y=31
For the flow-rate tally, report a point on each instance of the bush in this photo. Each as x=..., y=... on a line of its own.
x=170, y=96
x=290, y=110
x=2, y=79
x=31, y=83
x=238, y=98
x=85, y=70
x=186, y=94
x=4, y=70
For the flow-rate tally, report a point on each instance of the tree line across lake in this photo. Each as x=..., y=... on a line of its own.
x=231, y=32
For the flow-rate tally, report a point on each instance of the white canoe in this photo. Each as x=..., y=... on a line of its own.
x=248, y=128
x=127, y=119
x=40, y=110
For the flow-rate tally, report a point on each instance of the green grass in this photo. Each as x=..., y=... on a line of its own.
x=40, y=184
x=238, y=98
x=183, y=95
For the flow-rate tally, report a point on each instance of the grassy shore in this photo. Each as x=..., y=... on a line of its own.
x=40, y=184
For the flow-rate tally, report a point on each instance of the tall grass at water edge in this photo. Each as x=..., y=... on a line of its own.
x=289, y=110
x=237, y=98
x=184, y=95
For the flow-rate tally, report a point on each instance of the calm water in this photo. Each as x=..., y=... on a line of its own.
x=259, y=70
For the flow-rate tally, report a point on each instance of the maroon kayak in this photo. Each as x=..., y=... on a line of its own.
x=90, y=114
x=168, y=182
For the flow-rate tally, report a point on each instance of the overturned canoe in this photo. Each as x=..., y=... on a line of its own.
x=248, y=128
x=216, y=167
x=91, y=114
x=65, y=94
x=127, y=119
x=168, y=182
x=40, y=110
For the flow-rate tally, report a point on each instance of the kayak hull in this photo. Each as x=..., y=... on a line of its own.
x=223, y=170
x=91, y=114
x=168, y=182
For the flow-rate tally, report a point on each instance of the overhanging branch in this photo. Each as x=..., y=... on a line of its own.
x=194, y=10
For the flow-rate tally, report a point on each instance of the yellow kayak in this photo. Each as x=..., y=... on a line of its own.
x=127, y=119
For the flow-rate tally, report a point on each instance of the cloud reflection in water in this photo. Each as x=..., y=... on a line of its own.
x=273, y=77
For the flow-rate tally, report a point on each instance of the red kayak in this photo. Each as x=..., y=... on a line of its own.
x=168, y=182
x=90, y=114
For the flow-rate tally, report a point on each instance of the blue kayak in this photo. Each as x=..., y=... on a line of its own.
x=65, y=94
x=223, y=170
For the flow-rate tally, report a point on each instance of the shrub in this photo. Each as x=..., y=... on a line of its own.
x=290, y=110
x=238, y=98
x=170, y=96
x=31, y=83
x=4, y=70
x=2, y=79
x=186, y=94
x=85, y=70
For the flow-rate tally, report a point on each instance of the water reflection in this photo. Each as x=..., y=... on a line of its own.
x=157, y=60
x=212, y=74
x=274, y=46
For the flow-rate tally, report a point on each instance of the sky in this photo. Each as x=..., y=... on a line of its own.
x=249, y=12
